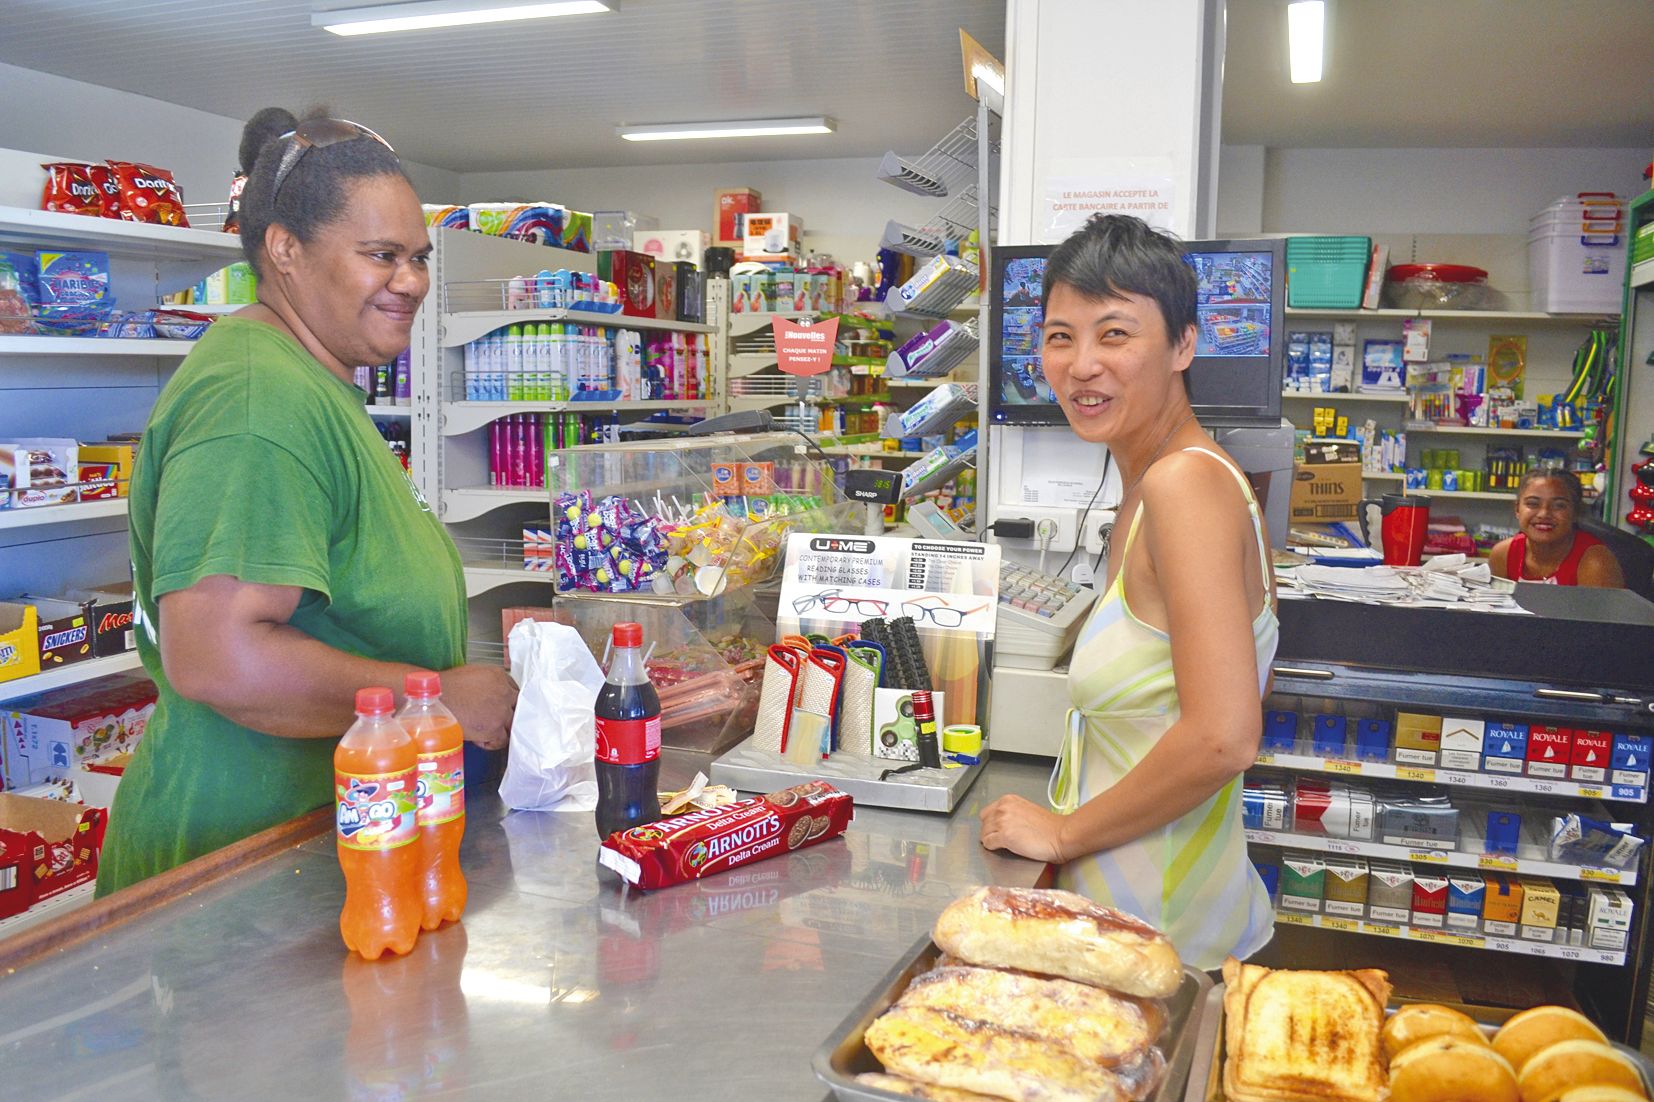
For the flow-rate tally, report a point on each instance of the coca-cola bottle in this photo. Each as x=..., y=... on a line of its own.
x=628, y=738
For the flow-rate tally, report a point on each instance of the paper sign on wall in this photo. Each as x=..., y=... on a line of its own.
x=803, y=348
x=1067, y=201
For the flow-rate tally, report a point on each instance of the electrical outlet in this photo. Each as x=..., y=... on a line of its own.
x=1064, y=519
x=1095, y=524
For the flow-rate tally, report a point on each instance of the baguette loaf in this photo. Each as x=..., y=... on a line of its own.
x=1059, y=933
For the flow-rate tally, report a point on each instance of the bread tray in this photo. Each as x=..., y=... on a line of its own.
x=1205, y=1083
x=843, y=1056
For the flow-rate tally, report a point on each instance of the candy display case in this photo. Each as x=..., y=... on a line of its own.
x=689, y=518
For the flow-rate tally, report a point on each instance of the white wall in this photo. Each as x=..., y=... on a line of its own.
x=70, y=119
x=1431, y=191
x=1240, y=190
x=844, y=207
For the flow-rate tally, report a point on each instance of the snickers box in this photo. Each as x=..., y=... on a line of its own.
x=1461, y=743
x=1330, y=737
x=1389, y=891
x=1630, y=759
x=1465, y=893
x=1418, y=738
x=1591, y=755
x=1429, y=899
x=1372, y=739
x=1501, y=904
x=1505, y=747
x=65, y=631
x=1280, y=732
x=1549, y=751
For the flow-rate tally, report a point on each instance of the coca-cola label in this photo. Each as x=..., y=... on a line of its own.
x=628, y=741
x=441, y=786
x=376, y=811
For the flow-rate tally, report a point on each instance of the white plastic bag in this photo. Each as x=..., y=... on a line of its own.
x=553, y=733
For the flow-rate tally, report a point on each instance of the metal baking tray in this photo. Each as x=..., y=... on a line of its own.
x=843, y=1056
x=1206, y=1080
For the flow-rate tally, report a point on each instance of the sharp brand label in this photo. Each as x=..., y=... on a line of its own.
x=842, y=546
x=114, y=621
x=64, y=638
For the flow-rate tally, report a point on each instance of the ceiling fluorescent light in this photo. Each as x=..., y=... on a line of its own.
x=446, y=13
x=1306, y=24
x=736, y=128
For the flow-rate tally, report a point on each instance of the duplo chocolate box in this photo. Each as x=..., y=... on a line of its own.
x=1461, y=742
x=1505, y=747
x=1501, y=904
x=1549, y=751
x=1303, y=883
x=1418, y=738
x=1346, y=887
x=1465, y=893
x=1540, y=903
x=1389, y=891
x=1591, y=754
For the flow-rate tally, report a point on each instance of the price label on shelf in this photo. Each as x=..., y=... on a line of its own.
x=1496, y=861
x=1382, y=928
x=1590, y=791
x=1503, y=944
x=1463, y=941
x=1415, y=773
x=1335, y=846
x=1498, y=782
x=1347, y=925
x=1432, y=856
x=1266, y=759
x=1448, y=776
x=1288, y=919
x=1539, y=785
x=1433, y=936
x=1568, y=952
x=1339, y=765
x=1603, y=956
x=1603, y=876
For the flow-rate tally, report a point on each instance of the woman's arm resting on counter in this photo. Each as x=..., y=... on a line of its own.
x=227, y=644
x=1197, y=536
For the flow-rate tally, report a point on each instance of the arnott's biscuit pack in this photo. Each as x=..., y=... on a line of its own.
x=682, y=848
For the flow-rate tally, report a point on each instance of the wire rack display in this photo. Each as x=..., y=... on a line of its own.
x=547, y=291
x=934, y=352
x=776, y=386
x=947, y=165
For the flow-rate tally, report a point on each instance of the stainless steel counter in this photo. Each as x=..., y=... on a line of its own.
x=555, y=985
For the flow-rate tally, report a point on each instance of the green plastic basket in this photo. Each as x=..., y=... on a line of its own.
x=1328, y=273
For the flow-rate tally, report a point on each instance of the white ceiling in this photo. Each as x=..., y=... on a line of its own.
x=1467, y=73
x=544, y=93
x=549, y=93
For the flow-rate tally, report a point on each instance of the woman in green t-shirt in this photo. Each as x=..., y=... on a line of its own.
x=282, y=558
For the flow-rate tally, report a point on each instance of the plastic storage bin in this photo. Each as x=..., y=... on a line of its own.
x=1326, y=273
x=1576, y=255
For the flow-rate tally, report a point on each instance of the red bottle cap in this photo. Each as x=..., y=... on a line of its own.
x=374, y=702
x=628, y=635
x=423, y=684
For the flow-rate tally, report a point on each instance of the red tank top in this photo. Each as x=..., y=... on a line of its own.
x=1566, y=574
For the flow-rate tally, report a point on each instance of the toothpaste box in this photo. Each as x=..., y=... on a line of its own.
x=1280, y=732
x=1549, y=751
x=1465, y=894
x=1303, y=883
x=1630, y=759
x=1389, y=891
x=1418, y=738
x=1429, y=899
x=1330, y=737
x=1461, y=742
x=1372, y=739
x=1591, y=754
x=1501, y=904
x=1540, y=903
x=1346, y=887
x=1505, y=747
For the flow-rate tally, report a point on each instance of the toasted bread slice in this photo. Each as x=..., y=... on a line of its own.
x=1303, y=1035
x=896, y=1084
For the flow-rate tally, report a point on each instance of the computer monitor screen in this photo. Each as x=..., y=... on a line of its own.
x=1235, y=378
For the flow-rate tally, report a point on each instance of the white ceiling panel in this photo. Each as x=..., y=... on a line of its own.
x=540, y=93
x=1466, y=73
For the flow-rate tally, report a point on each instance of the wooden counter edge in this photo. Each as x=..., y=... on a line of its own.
x=123, y=906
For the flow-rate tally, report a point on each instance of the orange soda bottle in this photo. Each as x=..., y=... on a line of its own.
x=441, y=792
x=376, y=820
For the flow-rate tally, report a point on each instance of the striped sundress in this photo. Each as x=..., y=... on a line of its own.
x=1191, y=877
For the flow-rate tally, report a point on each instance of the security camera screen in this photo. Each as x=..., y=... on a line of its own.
x=1022, y=381
x=1232, y=303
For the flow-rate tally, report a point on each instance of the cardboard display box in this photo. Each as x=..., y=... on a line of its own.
x=48, y=734
x=730, y=206
x=633, y=275
x=19, y=641
x=65, y=631
x=46, y=848
x=1325, y=491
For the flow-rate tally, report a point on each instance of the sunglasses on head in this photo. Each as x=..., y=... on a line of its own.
x=317, y=134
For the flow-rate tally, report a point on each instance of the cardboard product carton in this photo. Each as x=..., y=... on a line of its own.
x=730, y=206
x=666, y=290
x=633, y=275
x=1346, y=887
x=1303, y=883
x=1501, y=904
x=1423, y=823
x=1630, y=759
x=48, y=734
x=112, y=619
x=772, y=236
x=1465, y=895
x=119, y=457
x=65, y=631
x=691, y=292
x=1429, y=899
x=1269, y=871
x=1335, y=810
x=1461, y=742
x=40, y=472
x=688, y=246
x=1418, y=738
x=46, y=848
x=1389, y=891
x=1505, y=747
x=1540, y=904
x=1608, y=921
x=1590, y=757
x=19, y=641
x=1549, y=751
x=1504, y=832
x=1323, y=492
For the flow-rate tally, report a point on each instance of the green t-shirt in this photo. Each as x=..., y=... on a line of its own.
x=260, y=463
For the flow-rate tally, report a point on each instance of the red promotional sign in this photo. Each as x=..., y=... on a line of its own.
x=802, y=348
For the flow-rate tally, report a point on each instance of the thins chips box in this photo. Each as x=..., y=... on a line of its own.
x=1549, y=751
x=1591, y=753
x=1461, y=742
x=1540, y=902
x=1630, y=760
x=1418, y=738
x=1505, y=747
x=1501, y=904
x=46, y=848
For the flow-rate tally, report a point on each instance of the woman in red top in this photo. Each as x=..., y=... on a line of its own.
x=1550, y=548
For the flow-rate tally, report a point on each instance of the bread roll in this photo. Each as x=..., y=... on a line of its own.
x=909, y=1088
x=1541, y=1027
x=1450, y=1068
x=1412, y=1024
x=1601, y=1094
x=1552, y=1072
x=1059, y=933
